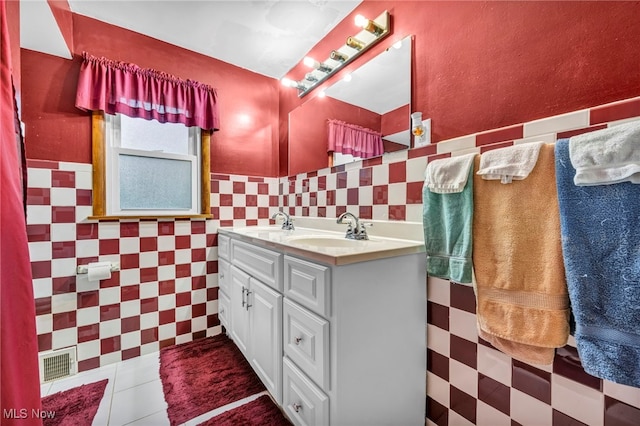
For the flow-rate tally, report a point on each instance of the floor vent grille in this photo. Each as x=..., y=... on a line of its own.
x=57, y=364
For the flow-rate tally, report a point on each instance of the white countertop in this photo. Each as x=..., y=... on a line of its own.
x=330, y=246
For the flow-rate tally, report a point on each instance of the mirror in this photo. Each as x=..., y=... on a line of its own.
x=377, y=97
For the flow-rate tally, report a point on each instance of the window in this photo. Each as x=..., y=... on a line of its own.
x=144, y=168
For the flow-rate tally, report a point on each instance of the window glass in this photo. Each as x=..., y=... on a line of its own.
x=154, y=183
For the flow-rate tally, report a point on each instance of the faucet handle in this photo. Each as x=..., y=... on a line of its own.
x=360, y=233
x=288, y=224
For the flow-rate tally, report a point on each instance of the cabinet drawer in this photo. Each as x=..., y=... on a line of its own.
x=262, y=264
x=224, y=314
x=224, y=247
x=303, y=402
x=224, y=276
x=308, y=284
x=306, y=341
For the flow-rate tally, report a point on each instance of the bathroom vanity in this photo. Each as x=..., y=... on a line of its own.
x=335, y=328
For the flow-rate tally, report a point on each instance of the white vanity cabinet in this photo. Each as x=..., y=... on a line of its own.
x=240, y=283
x=224, y=301
x=354, y=342
x=224, y=279
x=250, y=310
x=335, y=342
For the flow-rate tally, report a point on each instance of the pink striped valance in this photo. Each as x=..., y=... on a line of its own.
x=111, y=86
x=351, y=139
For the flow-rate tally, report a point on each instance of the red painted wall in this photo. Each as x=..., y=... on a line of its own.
x=64, y=18
x=484, y=65
x=13, y=25
x=309, y=128
x=56, y=130
x=476, y=66
x=396, y=121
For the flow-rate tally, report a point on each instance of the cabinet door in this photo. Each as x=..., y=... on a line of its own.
x=224, y=273
x=224, y=310
x=224, y=247
x=266, y=336
x=240, y=283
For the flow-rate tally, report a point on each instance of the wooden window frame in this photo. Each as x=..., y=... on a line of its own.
x=98, y=145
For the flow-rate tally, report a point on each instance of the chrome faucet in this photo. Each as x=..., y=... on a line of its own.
x=287, y=223
x=356, y=229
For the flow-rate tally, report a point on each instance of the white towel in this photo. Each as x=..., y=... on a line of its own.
x=448, y=175
x=507, y=164
x=607, y=156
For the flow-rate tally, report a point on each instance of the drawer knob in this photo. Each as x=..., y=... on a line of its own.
x=296, y=407
x=297, y=340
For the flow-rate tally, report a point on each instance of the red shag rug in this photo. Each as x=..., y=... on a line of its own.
x=203, y=375
x=260, y=412
x=73, y=407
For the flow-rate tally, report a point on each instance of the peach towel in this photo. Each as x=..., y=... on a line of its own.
x=523, y=302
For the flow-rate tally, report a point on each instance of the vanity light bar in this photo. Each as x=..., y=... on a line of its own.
x=373, y=31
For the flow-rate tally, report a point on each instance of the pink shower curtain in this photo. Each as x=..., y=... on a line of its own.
x=19, y=376
x=111, y=86
x=351, y=139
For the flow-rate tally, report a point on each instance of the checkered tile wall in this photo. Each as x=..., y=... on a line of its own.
x=469, y=382
x=166, y=291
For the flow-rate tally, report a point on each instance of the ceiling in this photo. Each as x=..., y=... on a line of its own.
x=268, y=37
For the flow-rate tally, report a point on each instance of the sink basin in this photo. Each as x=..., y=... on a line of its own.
x=264, y=232
x=326, y=241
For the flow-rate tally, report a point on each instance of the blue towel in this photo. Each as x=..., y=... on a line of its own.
x=600, y=228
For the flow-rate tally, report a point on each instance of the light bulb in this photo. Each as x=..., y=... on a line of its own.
x=310, y=62
x=361, y=21
x=368, y=25
x=292, y=83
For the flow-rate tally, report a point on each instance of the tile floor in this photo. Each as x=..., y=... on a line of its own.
x=133, y=395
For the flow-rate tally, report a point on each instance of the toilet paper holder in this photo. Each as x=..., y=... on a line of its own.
x=84, y=269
